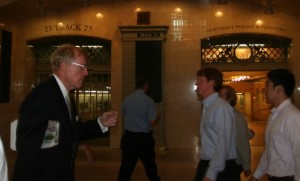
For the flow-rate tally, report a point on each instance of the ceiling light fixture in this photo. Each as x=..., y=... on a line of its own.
x=238, y=78
x=219, y=14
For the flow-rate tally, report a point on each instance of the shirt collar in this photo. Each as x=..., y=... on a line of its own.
x=61, y=86
x=207, y=101
x=139, y=91
x=281, y=106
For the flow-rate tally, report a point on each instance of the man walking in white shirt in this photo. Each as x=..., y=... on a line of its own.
x=281, y=157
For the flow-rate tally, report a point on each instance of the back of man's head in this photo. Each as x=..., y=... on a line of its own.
x=140, y=83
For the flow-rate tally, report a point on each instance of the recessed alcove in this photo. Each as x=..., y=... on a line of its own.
x=143, y=56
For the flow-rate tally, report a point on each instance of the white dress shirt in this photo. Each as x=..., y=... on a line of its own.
x=3, y=163
x=282, y=143
x=217, y=134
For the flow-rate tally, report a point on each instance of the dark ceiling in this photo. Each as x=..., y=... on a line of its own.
x=22, y=9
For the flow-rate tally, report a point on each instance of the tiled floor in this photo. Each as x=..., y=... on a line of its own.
x=173, y=165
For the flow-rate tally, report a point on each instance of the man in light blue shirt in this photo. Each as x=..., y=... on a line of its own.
x=217, y=131
x=139, y=113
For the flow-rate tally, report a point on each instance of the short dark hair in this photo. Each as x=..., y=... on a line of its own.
x=212, y=74
x=284, y=78
x=140, y=82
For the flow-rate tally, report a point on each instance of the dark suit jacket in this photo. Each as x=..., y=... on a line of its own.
x=44, y=103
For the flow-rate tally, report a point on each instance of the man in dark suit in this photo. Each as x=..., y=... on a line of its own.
x=48, y=132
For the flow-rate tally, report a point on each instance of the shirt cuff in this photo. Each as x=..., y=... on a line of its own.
x=103, y=128
x=210, y=174
x=258, y=174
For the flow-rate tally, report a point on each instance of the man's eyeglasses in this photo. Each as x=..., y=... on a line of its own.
x=82, y=67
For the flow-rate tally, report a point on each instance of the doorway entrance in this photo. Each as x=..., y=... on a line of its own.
x=250, y=87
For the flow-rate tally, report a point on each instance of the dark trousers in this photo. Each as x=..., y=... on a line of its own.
x=231, y=171
x=288, y=178
x=135, y=146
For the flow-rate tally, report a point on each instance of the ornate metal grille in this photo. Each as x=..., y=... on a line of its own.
x=43, y=53
x=97, y=53
x=244, y=49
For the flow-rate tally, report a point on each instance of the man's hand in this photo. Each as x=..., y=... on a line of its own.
x=247, y=173
x=109, y=119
